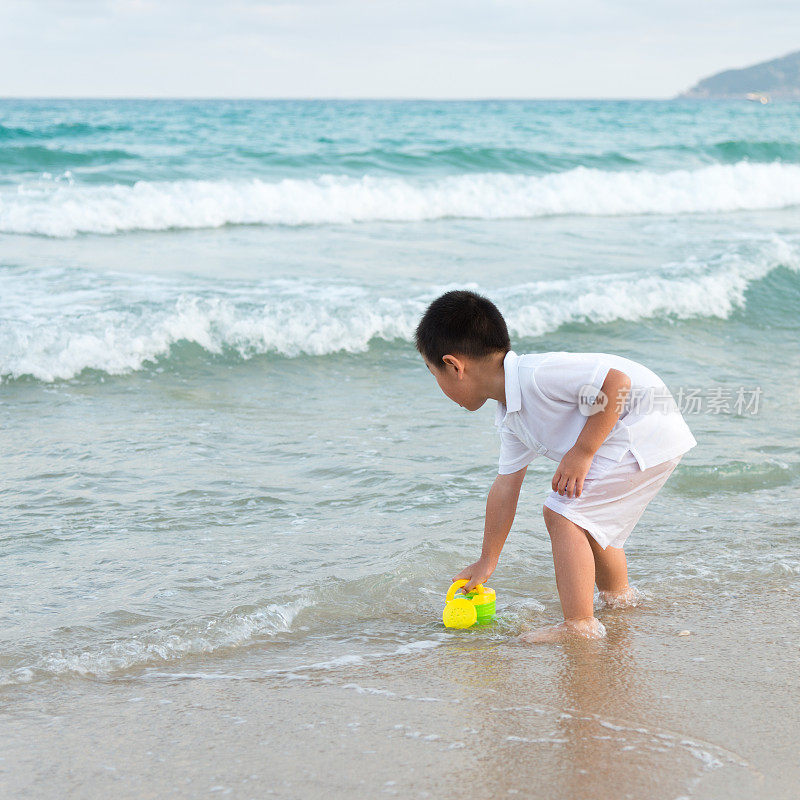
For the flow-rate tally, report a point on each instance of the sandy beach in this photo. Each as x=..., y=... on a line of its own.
x=645, y=713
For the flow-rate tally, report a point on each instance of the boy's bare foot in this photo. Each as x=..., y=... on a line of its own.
x=589, y=628
x=627, y=598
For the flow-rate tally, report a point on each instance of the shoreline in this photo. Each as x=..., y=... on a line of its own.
x=643, y=713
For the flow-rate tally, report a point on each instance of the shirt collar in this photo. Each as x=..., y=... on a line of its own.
x=513, y=396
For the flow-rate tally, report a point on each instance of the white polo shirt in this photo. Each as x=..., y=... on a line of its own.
x=550, y=396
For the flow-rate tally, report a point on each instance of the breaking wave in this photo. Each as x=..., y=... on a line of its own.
x=63, y=210
x=58, y=323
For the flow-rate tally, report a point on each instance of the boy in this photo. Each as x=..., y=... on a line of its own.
x=609, y=422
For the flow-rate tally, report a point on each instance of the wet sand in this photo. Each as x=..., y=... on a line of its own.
x=645, y=713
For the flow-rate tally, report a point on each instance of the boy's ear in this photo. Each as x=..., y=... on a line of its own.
x=456, y=363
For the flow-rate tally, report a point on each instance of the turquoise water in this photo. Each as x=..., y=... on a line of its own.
x=221, y=451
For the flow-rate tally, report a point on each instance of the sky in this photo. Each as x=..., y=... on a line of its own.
x=382, y=48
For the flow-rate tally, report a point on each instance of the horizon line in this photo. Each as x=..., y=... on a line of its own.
x=308, y=98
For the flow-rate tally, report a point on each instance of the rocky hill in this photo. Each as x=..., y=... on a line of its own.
x=776, y=79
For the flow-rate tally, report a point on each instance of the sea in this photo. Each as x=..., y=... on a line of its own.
x=232, y=490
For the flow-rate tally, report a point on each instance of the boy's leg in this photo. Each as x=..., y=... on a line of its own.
x=574, y=564
x=575, y=575
x=611, y=575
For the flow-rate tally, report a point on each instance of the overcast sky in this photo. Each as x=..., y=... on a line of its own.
x=382, y=48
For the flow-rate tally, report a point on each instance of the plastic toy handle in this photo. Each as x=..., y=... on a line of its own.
x=456, y=585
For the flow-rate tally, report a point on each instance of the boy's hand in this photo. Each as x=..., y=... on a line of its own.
x=475, y=573
x=571, y=471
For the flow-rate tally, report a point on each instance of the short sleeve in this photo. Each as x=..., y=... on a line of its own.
x=573, y=378
x=514, y=453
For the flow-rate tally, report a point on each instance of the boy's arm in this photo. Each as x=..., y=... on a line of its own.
x=568, y=477
x=501, y=506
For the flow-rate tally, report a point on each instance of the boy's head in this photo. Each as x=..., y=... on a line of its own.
x=463, y=337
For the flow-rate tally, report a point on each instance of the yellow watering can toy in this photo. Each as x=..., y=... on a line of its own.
x=474, y=608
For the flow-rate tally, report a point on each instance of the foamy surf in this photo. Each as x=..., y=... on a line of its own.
x=163, y=645
x=115, y=325
x=159, y=648
x=64, y=210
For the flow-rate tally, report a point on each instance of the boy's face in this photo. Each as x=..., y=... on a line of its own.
x=456, y=378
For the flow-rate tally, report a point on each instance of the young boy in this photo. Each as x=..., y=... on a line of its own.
x=610, y=423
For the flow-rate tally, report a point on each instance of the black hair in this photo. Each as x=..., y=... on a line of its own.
x=464, y=323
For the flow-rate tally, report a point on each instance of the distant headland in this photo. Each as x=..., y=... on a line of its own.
x=778, y=79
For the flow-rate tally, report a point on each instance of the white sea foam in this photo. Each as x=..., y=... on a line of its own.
x=682, y=290
x=65, y=210
x=167, y=646
x=116, y=342
x=170, y=643
x=354, y=659
x=163, y=645
x=117, y=324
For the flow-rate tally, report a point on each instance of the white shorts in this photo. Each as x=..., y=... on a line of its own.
x=614, y=496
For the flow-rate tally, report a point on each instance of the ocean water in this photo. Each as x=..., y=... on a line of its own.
x=222, y=457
